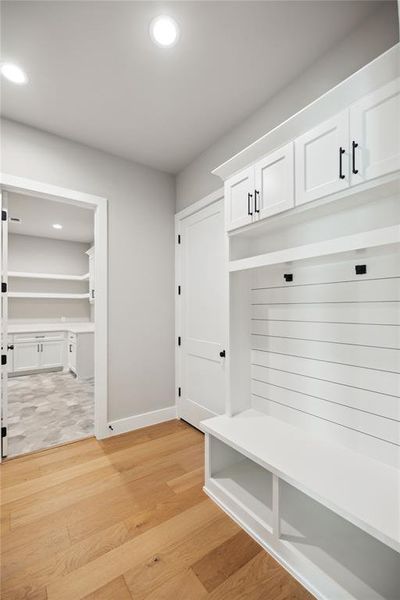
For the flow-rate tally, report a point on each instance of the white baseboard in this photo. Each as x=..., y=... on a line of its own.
x=144, y=420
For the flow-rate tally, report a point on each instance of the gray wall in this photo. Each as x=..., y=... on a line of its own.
x=373, y=37
x=35, y=254
x=141, y=257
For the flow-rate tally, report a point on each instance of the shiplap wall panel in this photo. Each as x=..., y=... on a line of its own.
x=382, y=336
x=356, y=397
x=373, y=313
x=364, y=290
x=383, y=359
x=325, y=350
x=376, y=381
x=379, y=427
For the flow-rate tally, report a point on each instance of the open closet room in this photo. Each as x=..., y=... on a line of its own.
x=50, y=323
x=200, y=300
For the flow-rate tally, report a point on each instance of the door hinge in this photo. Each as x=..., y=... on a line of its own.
x=4, y=432
x=3, y=359
x=179, y=340
x=179, y=238
x=3, y=288
x=4, y=215
x=179, y=392
x=179, y=290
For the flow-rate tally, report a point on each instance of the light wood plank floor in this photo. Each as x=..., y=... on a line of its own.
x=125, y=519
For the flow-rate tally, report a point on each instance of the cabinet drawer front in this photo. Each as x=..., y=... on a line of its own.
x=38, y=336
x=321, y=169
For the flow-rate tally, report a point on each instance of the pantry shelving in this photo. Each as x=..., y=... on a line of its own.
x=48, y=295
x=57, y=276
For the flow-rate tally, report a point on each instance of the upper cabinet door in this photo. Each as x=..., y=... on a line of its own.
x=375, y=134
x=322, y=159
x=274, y=182
x=239, y=199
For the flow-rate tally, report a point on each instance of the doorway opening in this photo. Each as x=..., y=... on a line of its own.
x=54, y=319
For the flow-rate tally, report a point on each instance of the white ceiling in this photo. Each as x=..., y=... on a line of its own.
x=38, y=216
x=96, y=77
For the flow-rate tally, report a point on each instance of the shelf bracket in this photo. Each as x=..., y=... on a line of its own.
x=276, y=520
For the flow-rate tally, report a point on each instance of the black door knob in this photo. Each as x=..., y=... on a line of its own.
x=222, y=354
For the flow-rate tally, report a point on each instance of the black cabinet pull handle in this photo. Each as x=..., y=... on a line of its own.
x=354, y=145
x=249, y=197
x=222, y=354
x=10, y=347
x=256, y=207
x=341, y=152
x=70, y=347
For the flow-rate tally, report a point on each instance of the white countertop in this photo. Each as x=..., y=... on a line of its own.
x=80, y=327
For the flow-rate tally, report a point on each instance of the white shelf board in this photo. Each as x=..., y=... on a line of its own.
x=248, y=484
x=359, y=489
x=24, y=275
x=383, y=237
x=48, y=295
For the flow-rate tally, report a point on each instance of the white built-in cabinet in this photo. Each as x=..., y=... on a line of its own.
x=306, y=456
x=274, y=183
x=33, y=352
x=80, y=354
x=261, y=190
x=359, y=144
x=322, y=159
x=375, y=133
x=239, y=195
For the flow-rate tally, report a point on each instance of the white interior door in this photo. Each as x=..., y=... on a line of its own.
x=201, y=314
x=4, y=320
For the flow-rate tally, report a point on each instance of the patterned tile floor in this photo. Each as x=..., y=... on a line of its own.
x=47, y=409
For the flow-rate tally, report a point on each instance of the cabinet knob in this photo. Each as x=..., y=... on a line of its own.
x=10, y=347
x=222, y=354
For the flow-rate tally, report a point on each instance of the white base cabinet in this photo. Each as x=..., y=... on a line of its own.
x=80, y=352
x=36, y=352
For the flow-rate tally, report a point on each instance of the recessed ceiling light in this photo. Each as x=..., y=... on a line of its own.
x=164, y=31
x=57, y=226
x=13, y=73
